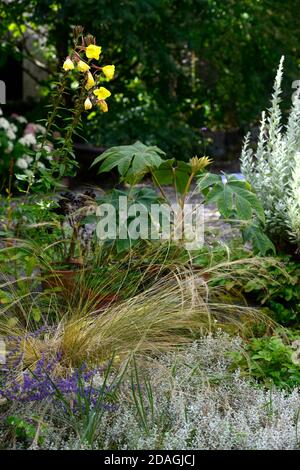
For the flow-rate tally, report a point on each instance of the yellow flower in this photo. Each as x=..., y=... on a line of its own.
x=82, y=66
x=103, y=105
x=102, y=93
x=87, y=104
x=93, y=51
x=90, y=81
x=68, y=64
x=109, y=71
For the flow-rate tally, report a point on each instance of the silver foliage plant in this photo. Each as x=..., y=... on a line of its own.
x=197, y=402
x=205, y=406
x=273, y=169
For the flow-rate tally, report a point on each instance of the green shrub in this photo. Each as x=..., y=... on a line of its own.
x=271, y=361
x=279, y=291
x=274, y=282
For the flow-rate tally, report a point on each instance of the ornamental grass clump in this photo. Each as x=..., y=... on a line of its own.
x=274, y=169
x=154, y=298
x=179, y=306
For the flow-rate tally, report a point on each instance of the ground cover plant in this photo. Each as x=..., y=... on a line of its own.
x=155, y=404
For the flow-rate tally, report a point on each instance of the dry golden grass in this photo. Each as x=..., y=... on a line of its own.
x=174, y=311
x=169, y=303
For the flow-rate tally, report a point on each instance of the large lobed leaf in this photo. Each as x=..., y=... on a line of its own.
x=231, y=196
x=131, y=161
x=172, y=172
x=236, y=201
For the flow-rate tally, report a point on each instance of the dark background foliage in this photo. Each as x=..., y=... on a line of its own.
x=181, y=64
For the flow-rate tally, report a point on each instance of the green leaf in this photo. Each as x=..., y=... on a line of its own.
x=254, y=285
x=207, y=180
x=260, y=242
x=231, y=195
x=89, y=219
x=225, y=201
x=172, y=171
x=243, y=208
x=36, y=314
x=131, y=161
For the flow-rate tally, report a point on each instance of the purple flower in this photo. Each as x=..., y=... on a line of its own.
x=41, y=383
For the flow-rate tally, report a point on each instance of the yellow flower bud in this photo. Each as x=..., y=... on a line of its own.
x=87, y=104
x=93, y=51
x=103, y=105
x=82, y=66
x=198, y=164
x=90, y=81
x=109, y=71
x=68, y=64
x=102, y=93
